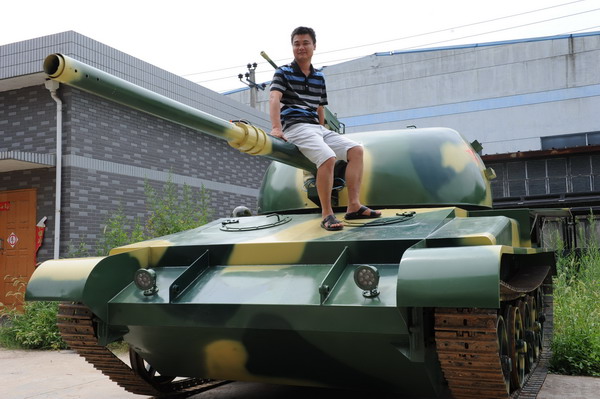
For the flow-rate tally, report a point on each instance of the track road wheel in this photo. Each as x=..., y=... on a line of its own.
x=517, y=345
x=528, y=334
x=536, y=346
x=147, y=372
x=504, y=351
x=541, y=317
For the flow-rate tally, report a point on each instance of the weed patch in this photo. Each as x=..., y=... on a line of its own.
x=576, y=340
x=34, y=328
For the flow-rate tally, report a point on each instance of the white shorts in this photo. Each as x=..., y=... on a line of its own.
x=317, y=143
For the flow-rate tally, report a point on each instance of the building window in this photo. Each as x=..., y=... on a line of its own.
x=596, y=172
x=516, y=179
x=570, y=140
x=581, y=174
x=546, y=176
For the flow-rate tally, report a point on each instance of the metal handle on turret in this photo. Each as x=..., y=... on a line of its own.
x=243, y=136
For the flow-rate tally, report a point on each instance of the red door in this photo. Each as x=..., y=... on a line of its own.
x=17, y=243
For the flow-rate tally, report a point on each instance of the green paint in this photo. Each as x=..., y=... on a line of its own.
x=450, y=277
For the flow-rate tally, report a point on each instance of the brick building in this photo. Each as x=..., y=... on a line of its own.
x=108, y=150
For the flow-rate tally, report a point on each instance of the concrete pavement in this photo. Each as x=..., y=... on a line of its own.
x=65, y=375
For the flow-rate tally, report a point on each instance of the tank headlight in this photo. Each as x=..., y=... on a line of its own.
x=145, y=280
x=366, y=278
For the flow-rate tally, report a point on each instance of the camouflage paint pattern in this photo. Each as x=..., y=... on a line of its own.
x=272, y=298
x=411, y=167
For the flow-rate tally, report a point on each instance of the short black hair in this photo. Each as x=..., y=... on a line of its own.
x=303, y=30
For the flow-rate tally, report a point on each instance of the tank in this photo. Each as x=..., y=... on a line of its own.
x=441, y=295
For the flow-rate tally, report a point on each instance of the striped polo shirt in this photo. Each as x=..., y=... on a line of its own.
x=302, y=94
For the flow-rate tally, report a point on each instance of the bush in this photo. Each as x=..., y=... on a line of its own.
x=118, y=233
x=35, y=328
x=576, y=340
x=171, y=213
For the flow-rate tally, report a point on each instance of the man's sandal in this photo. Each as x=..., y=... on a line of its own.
x=360, y=214
x=329, y=222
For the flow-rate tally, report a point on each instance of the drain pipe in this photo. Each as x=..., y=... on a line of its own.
x=52, y=86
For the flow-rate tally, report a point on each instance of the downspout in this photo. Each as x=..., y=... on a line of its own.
x=53, y=87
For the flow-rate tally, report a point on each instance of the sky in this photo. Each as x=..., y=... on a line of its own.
x=211, y=42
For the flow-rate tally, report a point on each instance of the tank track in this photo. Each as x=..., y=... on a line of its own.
x=75, y=322
x=468, y=350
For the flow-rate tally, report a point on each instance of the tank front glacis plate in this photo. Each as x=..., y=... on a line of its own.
x=300, y=231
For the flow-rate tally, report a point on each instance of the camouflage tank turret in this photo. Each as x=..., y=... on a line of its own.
x=443, y=293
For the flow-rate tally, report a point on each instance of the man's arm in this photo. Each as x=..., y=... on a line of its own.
x=321, y=114
x=275, y=113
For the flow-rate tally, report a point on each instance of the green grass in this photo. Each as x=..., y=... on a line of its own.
x=576, y=342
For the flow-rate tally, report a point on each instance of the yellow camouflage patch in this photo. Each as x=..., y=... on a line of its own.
x=226, y=359
x=73, y=269
x=156, y=249
x=266, y=253
x=456, y=156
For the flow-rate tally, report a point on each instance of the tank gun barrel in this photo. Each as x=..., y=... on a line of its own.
x=269, y=60
x=242, y=136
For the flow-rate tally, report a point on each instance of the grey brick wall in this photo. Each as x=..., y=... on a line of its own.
x=91, y=197
x=27, y=120
x=106, y=131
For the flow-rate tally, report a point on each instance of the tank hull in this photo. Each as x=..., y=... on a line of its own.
x=280, y=304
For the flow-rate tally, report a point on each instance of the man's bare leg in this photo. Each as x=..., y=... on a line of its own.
x=324, y=187
x=354, y=172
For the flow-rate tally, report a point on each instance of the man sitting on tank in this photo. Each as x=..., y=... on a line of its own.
x=296, y=101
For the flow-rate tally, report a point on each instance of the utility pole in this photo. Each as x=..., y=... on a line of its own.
x=251, y=79
x=253, y=89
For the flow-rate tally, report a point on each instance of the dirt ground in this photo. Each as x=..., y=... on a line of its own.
x=65, y=375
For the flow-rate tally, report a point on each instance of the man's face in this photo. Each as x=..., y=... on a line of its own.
x=303, y=47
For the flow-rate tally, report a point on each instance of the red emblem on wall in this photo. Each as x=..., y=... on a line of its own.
x=12, y=240
x=5, y=206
